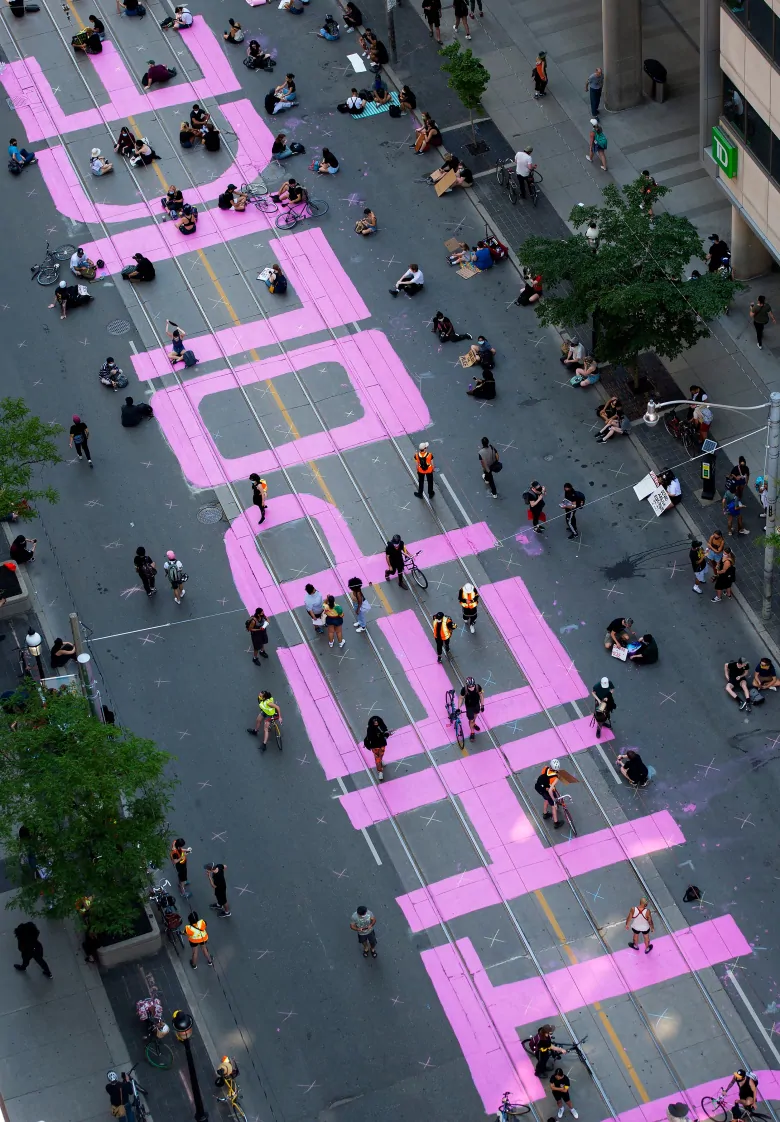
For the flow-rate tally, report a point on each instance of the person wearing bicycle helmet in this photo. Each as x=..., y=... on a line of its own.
x=120, y=1093
x=474, y=701
x=747, y=1087
x=468, y=597
x=545, y=786
x=544, y=1048
x=395, y=556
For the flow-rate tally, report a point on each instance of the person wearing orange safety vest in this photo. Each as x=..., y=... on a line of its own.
x=443, y=628
x=468, y=598
x=545, y=786
x=198, y=936
x=423, y=458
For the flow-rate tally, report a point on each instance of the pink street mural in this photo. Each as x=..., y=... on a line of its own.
x=483, y=1017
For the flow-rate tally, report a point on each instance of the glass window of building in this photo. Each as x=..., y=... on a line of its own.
x=733, y=106
x=761, y=23
x=758, y=136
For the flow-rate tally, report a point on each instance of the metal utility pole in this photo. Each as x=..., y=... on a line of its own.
x=772, y=464
x=391, y=5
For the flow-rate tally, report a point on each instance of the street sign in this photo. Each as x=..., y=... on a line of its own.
x=724, y=153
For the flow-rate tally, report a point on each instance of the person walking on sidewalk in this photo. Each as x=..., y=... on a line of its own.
x=29, y=944
x=572, y=501
x=432, y=12
x=488, y=458
x=460, y=9
x=257, y=626
x=364, y=922
x=474, y=5
x=174, y=570
x=534, y=500
x=79, y=434
x=597, y=142
x=732, y=507
x=760, y=313
x=259, y=494
x=359, y=603
x=443, y=628
x=468, y=598
x=423, y=459
x=395, y=555
x=315, y=605
x=146, y=569
x=216, y=874
x=698, y=560
x=594, y=86
x=640, y=920
x=179, y=853
x=375, y=741
x=198, y=938
x=539, y=73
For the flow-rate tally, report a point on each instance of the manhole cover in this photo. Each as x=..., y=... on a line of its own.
x=119, y=327
x=210, y=514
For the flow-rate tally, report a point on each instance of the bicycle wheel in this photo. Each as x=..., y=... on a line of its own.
x=512, y=190
x=278, y=735
x=534, y=193
x=690, y=443
x=265, y=204
x=527, y=1045
x=570, y=821
x=159, y=1055
x=672, y=423
x=236, y=1111
x=286, y=220
x=714, y=1109
x=461, y=739
x=501, y=174
x=317, y=207
x=517, y=1109
x=63, y=252
x=419, y=577
x=48, y=274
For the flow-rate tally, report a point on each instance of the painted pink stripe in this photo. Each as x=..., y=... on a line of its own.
x=302, y=257
x=65, y=188
x=37, y=106
x=768, y=1090
x=326, y=728
x=574, y=987
x=361, y=356
x=517, y=871
x=544, y=660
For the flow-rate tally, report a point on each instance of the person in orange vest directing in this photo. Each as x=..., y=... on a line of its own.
x=443, y=628
x=198, y=936
x=424, y=460
x=545, y=785
x=468, y=598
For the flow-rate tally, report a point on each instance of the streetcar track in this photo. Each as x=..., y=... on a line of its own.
x=393, y=819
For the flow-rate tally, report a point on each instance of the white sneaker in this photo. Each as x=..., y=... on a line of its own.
x=574, y=1113
x=468, y=36
x=697, y=589
x=183, y=592
x=472, y=628
x=560, y=1111
x=359, y=631
x=381, y=777
x=454, y=27
x=356, y=625
x=343, y=643
x=589, y=159
x=330, y=644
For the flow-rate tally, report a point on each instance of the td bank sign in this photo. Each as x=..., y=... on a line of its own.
x=724, y=153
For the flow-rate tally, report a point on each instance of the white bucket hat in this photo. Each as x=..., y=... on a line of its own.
x=95, y=152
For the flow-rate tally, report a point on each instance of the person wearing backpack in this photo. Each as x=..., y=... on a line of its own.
x=598, y=143
x=257, y=626
x=491, y=463
x=572, y=501
x=146, y=569
x=174, y=571
x=423, y=459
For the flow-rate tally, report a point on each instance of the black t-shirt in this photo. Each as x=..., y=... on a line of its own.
x=218, y=877
x=617, y=625
x=118, y=1093
x=295, y=193
x=559, y=1083
x=98, y=25
x=766, y=671
x=130, y=5
x=225, y=200
x=145, y=269
x=395, y=553
x=649, y=651
x=174, y=199
x=466, y=175
x=380, y=50
x=735, y=670
x=471, y=698
x=130, y=416
x=140, y=562
x=197, y=117
x=636, y=770
x=211, y=141
x=604, y=693
x=78, y=432
x=697, y=559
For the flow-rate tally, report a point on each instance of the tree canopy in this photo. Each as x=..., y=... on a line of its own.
x=26, y=442
x=92, y=803
x=633, y=288
x=467, y=76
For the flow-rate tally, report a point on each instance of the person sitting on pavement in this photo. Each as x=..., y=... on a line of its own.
x=587, y=374
x=574, y=355
x=22, y=549
x=125, y=142
x=82, y=266
x=354, y=104
x=407, y=102
x=382, y=95
x=144, y=153
x=633, y=768
x=231, y=199
x=61, y=653
x=290, y=193
x=442, y=326
x=284, y=95
x=609, y=409
x=173, y=202
x=235, y=33
x=671, y=484
x=618, y=633
x=619, y=425
x=451, y=163
x=132, y=414
x=98, y=164
x=464, y=177
x=199, y=117
x=188, y=223
x=177, y=341
x=131, y=8
x=532, y=292
x=410, y=282
x=765, y=676
x=736, y=674
x=482, y=354
x=428, y=135
x=211, y=137
x=353, y=17
x=157, y=73
x=142, y=271
x=257, y=58
x=280, y=150
x=276, y=281
x=647, y=652
x=483, y=258
x=188, y=136
x=366, y=225
x=179, y=21
x=329, y=30
x=484, y=387
x=328, y=163
x=463, y=256
x=19, y=155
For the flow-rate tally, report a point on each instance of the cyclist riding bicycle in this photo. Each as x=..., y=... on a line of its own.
x=269, y=712
x=747, y=1087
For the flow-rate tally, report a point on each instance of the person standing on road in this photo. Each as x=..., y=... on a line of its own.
x=603, y=693
x=761, y=313
x=179, y=853
x=359, y=603
x=146, y=569
x=640, y=920
x=257, y=626
x=395, y=555
x=544, y=1048
x=572, y=501
x=424, y=462
x=468, y=598
x=198, y=938
x=524, y=165
x=259, y=494
x=559, y=1085
x=120, y=1094
x=216, y=874
x=474, y=703
x=29, y=944
x=726, y=575
x=488, y=458
x=539, y=73
x=698, y=559
x=534, y=498
x=432, y=12
x=174, y=570
x=375, y=741
x=79, y=434
x=334, y=617
x=594, y=86
x=315, y=605
x=443, y=628
x=364, y=922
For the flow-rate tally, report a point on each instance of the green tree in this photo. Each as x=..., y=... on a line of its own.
x=632, y=289
x=93, y=800
x=467, y=77
x=25, y=443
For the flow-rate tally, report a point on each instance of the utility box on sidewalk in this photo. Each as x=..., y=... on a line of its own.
x=654, y=80
x=708, y=477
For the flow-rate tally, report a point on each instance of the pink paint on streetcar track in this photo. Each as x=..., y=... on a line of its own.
x=454, y=971
x=768, y=1090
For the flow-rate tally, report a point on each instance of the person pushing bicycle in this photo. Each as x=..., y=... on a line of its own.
x=545, y=786
x=269, y=712
x=544, y=1048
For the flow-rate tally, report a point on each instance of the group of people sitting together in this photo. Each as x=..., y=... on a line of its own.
x=282, y=97
x=585, y=367
x=200, y=129
x=456, y=173
x=378, y=95
x=481, y=256
x=258, y=59
x=615, y=421
x=374, y=50
x=90, y=40
x=184, y=215
x=428, y=135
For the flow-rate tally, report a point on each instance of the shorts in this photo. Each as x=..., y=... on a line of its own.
x=472, y=714
x=546, y=795
x=432, y=20
x=220, y=895
x=645, y=932
x=560, y=1096
x=181, y=872
x=259, y=639
x=701, y=576
x=711, y=555
x=369, y=938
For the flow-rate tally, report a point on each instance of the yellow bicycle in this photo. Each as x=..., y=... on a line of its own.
x=231, y=1097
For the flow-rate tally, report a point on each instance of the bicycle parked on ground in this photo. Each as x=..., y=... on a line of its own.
x=453, y=713
x=684, y=430
x=716, y=1108
x=411, y=569
x=257, y=193
x=172, y=922
x=300, y=212
x=48, y=271
x=510, y=1110
x=157, y=1052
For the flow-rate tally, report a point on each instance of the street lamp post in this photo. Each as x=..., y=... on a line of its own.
x=772, y=464
x=183, y=1025
x=34, y=642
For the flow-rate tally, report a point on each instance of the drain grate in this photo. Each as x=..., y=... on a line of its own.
x=210, y=514
x=119, y=327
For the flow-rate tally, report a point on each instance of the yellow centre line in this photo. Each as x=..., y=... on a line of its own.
x=613, y=1036
x=76, y=16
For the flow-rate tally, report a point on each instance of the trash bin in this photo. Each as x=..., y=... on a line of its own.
x=17, y=8
x=708, y=476
x=655, y=79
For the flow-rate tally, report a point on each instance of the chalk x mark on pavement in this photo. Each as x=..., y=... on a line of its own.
x=221, y=836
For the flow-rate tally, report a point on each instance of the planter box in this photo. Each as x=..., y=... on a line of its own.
x=137, y=946
x=13, y=585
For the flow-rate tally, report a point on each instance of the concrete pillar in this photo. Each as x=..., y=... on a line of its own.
x=621, y=24
x=710, y=81
x=749, y=255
